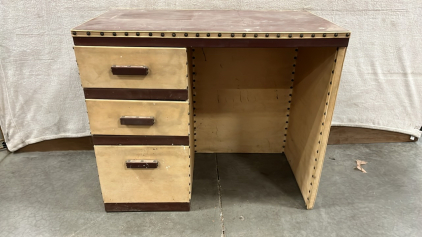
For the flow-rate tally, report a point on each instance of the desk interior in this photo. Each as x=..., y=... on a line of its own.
x=266, y=100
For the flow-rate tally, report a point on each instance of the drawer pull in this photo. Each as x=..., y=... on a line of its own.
x=141, y=164
x=129, y=70
x=135, y=120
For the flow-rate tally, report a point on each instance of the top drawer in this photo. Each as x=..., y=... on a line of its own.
x=167, y=67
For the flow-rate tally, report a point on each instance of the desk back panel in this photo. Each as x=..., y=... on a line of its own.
x=314, y=94
x=241, y=98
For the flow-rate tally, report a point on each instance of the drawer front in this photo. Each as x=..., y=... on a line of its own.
x=167, y=67
x=168, y=182
x=130, y=117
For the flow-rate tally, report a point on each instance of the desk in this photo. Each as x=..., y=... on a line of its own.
x=163, y=85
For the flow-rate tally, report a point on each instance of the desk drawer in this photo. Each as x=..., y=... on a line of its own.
x=106, y=67
x=131, y=117
x=168, y=182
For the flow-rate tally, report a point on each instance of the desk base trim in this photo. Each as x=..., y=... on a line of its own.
x=163, y=206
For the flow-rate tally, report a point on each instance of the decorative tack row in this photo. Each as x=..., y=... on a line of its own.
x=290, y=96
x=194, y=95
x=317, y=154
x=211, y=35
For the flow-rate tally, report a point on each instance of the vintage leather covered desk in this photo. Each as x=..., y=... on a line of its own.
x=162, y=85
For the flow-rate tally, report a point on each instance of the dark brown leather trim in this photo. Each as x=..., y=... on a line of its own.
x=227, y=43
x=163, y=206
x=129, y=70
x=135, y=120
x=140, y=140
x=136, y=94
x=141, y=164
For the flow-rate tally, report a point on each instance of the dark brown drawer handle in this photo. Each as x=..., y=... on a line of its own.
x=135, y=120
x=141, y=164
x=129, y=70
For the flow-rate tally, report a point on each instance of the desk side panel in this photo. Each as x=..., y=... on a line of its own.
x=314, y=94
x=191, y=120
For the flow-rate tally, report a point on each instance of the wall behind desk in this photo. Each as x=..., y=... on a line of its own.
x=41, y=97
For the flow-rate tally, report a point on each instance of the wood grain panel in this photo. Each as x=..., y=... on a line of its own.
x=171, y=118
x=241, y=99
x=169, y=182
x=314, y=93
x=326, y=122
x=191, y=121
x=167, y=67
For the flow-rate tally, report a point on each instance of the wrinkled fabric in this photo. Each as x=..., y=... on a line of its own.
x=41, y=96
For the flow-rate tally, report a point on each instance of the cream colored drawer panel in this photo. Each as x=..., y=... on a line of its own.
x=169, y=182
x=171, y=118
x=167, y=67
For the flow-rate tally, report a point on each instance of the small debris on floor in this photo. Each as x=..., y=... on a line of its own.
x=359, y=163
x=242, y=218
x=332, y=158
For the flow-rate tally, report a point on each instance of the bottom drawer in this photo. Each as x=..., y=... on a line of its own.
x=167, y=183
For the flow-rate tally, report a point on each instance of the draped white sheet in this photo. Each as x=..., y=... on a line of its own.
x=41, y=97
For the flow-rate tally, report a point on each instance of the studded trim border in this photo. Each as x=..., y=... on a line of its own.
x=314, y=188
x=194, y=94
x=292, y=79
x=191, y=156
x=212, y=35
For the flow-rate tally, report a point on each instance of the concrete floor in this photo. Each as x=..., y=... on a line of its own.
x=58, y=194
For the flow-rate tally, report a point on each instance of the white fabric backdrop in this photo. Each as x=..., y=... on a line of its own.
x=41, y=97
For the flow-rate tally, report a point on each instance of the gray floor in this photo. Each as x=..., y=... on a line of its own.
x=58, y=194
